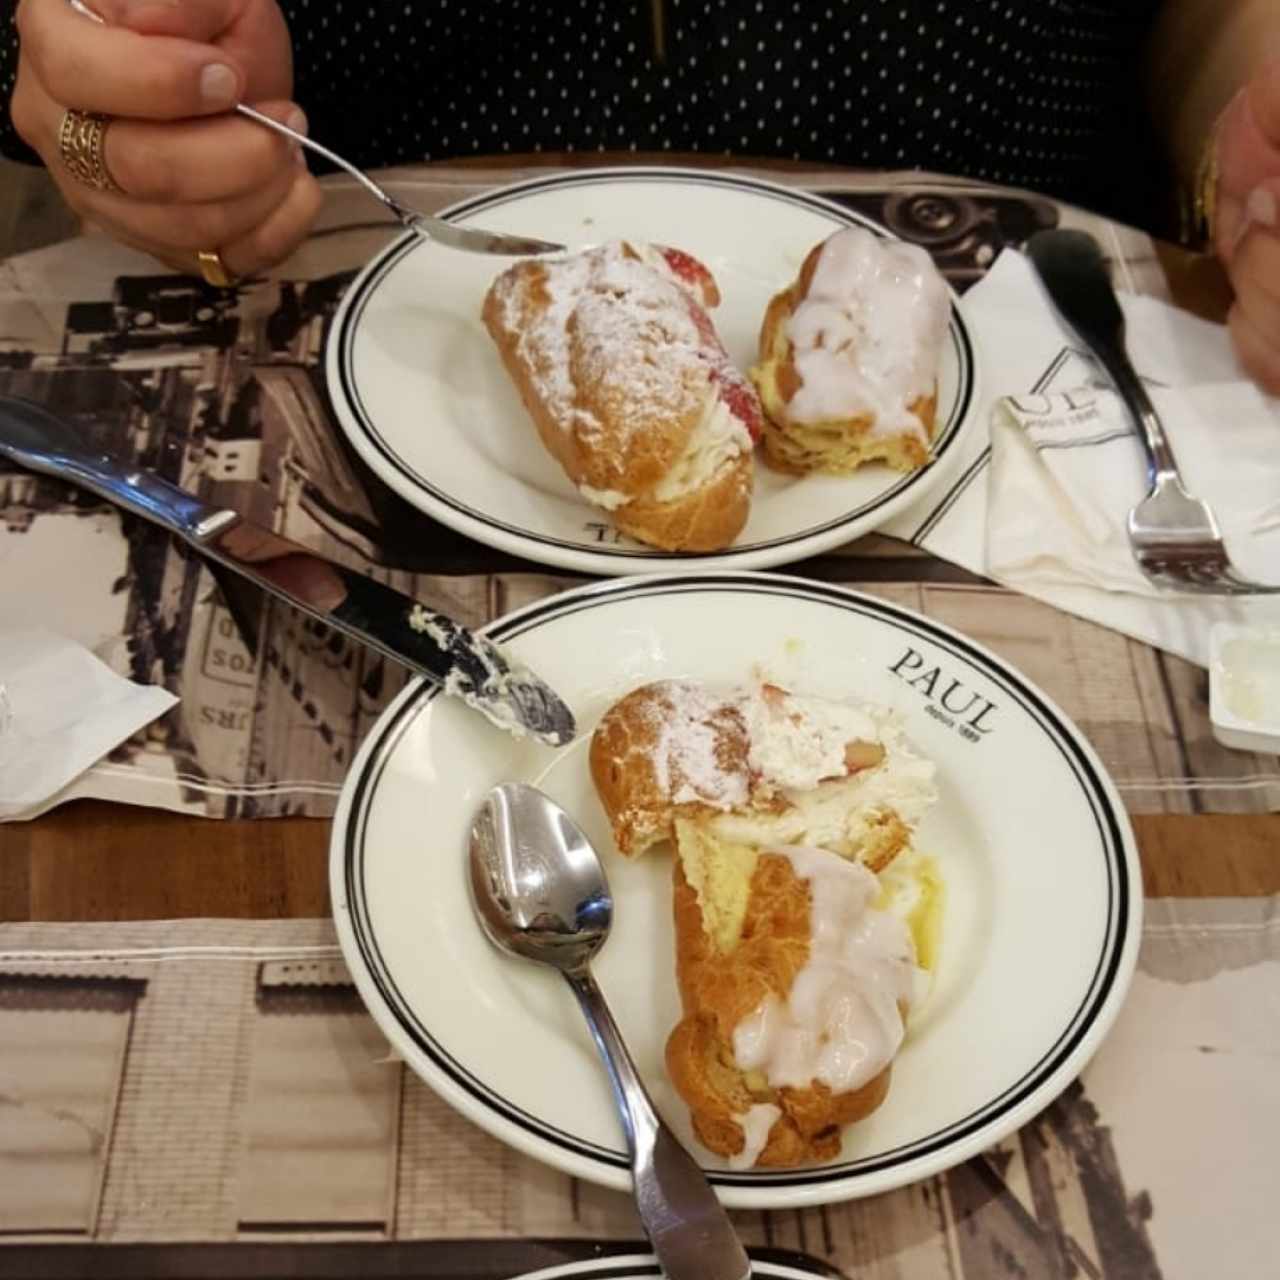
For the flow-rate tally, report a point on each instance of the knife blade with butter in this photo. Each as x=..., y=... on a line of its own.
x=461, y=662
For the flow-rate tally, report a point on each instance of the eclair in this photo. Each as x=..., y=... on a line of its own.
x=795, y=982
x=794, y=990
x=849, y=356
x=618, y=365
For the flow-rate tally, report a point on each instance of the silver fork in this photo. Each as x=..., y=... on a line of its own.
x=1175, y=537
x=470, y=239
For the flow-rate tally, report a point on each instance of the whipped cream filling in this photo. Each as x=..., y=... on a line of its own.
x=609, y=499
x=718, y=439
x=841, y=1023
x=795, y=752
x=798, y=745
x=841, y=814
x=867, y=337
x=797, y=741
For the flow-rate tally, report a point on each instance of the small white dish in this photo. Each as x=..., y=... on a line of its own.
x=419, y=389
x=1042, y=886
x=1244, y=686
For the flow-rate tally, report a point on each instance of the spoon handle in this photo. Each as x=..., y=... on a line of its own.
x=685, y=1222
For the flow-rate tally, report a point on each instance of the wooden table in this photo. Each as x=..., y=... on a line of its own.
x=94, y=861
x=206, y=1063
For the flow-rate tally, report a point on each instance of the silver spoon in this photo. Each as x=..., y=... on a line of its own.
x=471, y=239
x=540, y=893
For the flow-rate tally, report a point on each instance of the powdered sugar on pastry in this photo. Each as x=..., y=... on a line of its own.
x=759, y=766
x=619, y=321
x=692, y=756
x=867, y=336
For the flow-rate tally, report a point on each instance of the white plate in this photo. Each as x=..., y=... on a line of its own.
x=644, y=1266
x=1043, y=891
x=420, y=390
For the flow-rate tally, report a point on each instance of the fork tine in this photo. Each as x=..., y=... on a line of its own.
x=1174, y=535
x=1177, y=544
x=1244, y=586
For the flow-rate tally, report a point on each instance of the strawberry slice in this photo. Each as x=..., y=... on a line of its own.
x=706, y=329
x=742, y=401
x=735, y=391
x=687, y=268
x=685, y=265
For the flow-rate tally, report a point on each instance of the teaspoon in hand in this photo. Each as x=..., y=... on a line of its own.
x=470, y=239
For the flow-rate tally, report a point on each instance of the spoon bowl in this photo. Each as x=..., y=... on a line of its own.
x=537, y=885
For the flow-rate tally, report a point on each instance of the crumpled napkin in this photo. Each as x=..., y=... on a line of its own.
x=61, y=710
x=1050, y=467
x=1067, y=468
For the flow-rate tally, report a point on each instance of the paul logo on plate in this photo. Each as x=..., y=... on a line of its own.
x=947, y=698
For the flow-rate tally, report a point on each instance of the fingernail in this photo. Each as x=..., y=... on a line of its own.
x=218, y=85
x=131, y=9
x=297, y=120
x=1261, y=207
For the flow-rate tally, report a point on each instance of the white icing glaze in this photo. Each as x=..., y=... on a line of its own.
x=756, y=1125
x=840, y=1024
x=868, y=335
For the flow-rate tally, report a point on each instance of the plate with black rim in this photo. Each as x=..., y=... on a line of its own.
x=643, y=1266
x=1042, y=891
x=421, y=393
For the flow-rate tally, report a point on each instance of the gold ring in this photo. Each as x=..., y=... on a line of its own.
x=80, y=137
x=214, y=269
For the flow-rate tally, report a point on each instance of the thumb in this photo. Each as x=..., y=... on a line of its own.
x=1262, y=97
x=1248, y=153
x=201, y=20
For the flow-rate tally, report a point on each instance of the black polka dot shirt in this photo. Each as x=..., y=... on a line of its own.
x=1044, y=94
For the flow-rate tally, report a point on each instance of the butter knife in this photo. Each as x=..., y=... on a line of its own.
x=462, y=663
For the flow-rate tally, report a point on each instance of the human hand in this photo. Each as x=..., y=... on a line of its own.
x=1247, y=222
x=191, y=177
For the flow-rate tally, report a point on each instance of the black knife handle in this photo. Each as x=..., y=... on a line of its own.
x=1074, y=272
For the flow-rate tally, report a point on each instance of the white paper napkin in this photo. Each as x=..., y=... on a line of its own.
x=1065, y=470
x=61, y=711
x=1040, y=499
